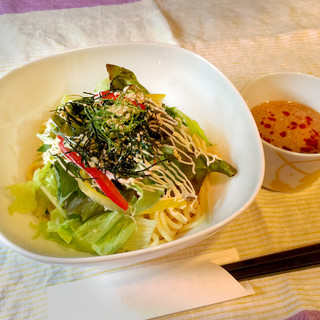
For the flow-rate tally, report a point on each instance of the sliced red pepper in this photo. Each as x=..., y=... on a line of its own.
x=105, y=184
x=112, y=96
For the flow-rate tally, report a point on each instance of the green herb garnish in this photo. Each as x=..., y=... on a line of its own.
x=113, y=131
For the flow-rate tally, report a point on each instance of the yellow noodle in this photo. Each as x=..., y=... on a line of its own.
x=167, y=226
x=168, y=233
x=171, y=223
x=154, y=239
x=188, y=210
x=178, y=215
x=198, y=218
x=162, y=230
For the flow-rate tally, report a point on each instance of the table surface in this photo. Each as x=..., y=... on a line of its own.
x=244, y=39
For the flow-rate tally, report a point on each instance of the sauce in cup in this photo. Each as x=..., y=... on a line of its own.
x=288, y=125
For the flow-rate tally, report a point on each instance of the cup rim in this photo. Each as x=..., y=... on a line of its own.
x=278, y=74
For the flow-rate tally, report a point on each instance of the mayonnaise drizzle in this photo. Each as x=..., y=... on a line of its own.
x=168, y=176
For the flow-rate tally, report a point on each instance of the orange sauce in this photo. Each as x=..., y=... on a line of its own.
x=288, y=125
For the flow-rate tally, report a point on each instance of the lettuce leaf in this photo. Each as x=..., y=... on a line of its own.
x=66, y=184
x=121, y=77
x=24, y=197
x=102, y=85
x=140, y=239
x=148, y=196
x=82, y=206
x=190, y=123
x=63, y=225
x=93, y=229
x=113, y=240
x=43, y=204
x=202, y=170
x=46, y=177
x=76, y=244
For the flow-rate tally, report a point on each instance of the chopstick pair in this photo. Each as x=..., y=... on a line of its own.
x=285, y=261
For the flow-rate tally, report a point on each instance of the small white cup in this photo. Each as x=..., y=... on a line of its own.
x=286, y=170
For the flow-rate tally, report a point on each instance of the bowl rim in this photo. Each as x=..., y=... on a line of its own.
x=150, y=252
x=271, y=75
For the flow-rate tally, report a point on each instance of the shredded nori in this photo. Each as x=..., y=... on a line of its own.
x=112, y=133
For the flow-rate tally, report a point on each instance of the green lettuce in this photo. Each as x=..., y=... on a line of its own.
x=121, y=77
x=148, y=196
x=96, y=227
x=140, y=239
x=202, y=169
x=46, y=177
x=66, y=184
x=113, y=240
x=64, y=226
x=83, y=206
x=24, y=197
x=191, y=124
x=102, y=85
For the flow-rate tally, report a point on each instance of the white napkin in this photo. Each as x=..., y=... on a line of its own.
x=145, y=292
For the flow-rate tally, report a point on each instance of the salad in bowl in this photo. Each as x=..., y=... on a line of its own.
x=118, y=170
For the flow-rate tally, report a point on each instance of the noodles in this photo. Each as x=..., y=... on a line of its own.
x=172, y=222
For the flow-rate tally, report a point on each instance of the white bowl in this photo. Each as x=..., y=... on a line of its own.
x=286, y=171
x=189, y=82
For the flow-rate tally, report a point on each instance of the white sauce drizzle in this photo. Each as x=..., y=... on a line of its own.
x=168, y=176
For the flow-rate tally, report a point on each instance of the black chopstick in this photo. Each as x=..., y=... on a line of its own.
x=275, y=263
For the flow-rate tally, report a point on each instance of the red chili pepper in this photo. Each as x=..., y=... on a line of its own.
x=112, y=96
x=105, y=184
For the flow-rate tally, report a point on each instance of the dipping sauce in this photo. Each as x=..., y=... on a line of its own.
x=288, y=125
